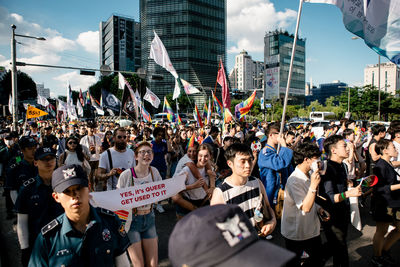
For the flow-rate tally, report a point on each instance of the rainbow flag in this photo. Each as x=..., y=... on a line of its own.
x=122, y=215
x=209, y=112
x=227, y=115
x=191, y=142
x=88, y=102
x=198, y=117
x=145, y=114
x=217, y=105
x=205, y=111
x=179, y=119
x=168, y=109
x=247, y=104
x=312, y=137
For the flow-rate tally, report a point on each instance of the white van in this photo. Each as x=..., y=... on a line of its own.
x=322, y=116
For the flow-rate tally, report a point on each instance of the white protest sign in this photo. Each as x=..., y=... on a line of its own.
x=139, y=195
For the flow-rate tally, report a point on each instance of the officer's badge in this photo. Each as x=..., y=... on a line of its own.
x=68, y=173
x=122, y=230
x=106, y=235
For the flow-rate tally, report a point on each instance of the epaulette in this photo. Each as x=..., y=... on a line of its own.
x=16, y=164
x=50, y=226
x=107, y=212
x=28, y=182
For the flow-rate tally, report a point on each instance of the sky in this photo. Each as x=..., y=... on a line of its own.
x=71, y=30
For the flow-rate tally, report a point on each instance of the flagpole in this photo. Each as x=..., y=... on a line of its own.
x=290, y=69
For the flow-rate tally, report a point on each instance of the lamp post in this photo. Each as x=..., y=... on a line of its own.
x=14, y=73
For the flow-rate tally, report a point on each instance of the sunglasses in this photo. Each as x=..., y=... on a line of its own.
x=121, y=137
x=71, y=143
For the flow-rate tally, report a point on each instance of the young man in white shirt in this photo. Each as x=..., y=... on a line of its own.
x=395, y=134
x=115, y=160
x=92, y=143
x=300, y=225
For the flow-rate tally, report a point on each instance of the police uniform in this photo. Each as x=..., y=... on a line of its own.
x=36, y=201
x=59, y=244
x=19, y=173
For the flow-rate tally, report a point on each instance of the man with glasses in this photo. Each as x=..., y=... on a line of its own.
x=92, y=143
x=115, y=160
x=35, y=205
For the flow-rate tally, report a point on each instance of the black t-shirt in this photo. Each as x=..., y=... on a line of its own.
x=387, y=177
x=49, y=140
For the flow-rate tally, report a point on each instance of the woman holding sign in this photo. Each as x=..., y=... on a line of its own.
x=142, y=231
x=386, y=201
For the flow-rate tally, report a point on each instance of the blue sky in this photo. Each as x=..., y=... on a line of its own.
x=71, y=29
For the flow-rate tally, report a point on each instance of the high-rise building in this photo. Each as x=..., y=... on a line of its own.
x=45, y=92
x=120, y=43
x=325, y=90
x=249, y=73
x=390, y=77
x=194, y=35
x=277, y=54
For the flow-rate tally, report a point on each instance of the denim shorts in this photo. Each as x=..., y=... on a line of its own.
x=142, y=227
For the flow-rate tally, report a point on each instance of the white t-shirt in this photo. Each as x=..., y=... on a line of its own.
x=125, y=180
x=295, y=223
x=197, y=193
x=123, y=161
x=182, y=162
x=397, y=146
x=88, y=141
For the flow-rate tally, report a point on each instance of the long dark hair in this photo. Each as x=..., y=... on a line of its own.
x=79, y=150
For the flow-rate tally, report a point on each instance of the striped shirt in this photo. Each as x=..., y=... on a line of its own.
x=246, y=196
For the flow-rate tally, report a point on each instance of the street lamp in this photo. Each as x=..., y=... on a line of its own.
x=14, y=72
x=379, y=81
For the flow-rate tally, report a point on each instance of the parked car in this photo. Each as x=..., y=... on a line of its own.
x=318, y=128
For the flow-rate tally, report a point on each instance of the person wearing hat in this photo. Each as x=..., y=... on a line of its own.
x=49, y=139
x=35, y=207
x=22, y=170
x=221, y=236
x=82, y=235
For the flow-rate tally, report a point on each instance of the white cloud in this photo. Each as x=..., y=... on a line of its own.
x=89, y=41
x=247, y=24
x=76, y=80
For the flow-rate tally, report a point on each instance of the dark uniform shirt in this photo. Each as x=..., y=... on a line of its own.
x=19, y=173
x=59, y=244
x=35, y=200
x=49, y=140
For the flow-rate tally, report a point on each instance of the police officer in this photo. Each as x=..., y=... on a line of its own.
x=35, y=205
x=49, y=139
x=22, y=170
x=83, y=235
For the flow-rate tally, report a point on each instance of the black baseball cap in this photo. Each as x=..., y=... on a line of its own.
x=68, y=175
x=27, y=141
x=42, y=152
x=11, y=135
x=222, y=236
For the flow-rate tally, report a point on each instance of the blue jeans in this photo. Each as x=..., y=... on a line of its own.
x=142, y=227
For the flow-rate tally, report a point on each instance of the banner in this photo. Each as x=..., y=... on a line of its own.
x=139, y=195
x=33, y=112
x=377, y=22
x=189, y=88
x=41, y=100
x=159, y=54
x=221, y=79
x=79, y=107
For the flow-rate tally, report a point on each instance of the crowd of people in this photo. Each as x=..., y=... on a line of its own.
x=50, y=168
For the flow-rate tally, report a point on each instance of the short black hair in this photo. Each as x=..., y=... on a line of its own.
x=158, y=130
x=381, y=145
x=327, y=127
x=214, y=129
x=236, y=148
x=394, y=131
x=305, y=150
x=273, y=126
x=331, y=141
x=347, y=123
x=378, y=128
x=347, y=132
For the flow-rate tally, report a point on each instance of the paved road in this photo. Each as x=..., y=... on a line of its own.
x=360, y=243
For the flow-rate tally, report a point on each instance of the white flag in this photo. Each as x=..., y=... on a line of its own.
x=69, y=95
x=62, y=106
x=159, y=54
x=10, y=104
x=41, y=100
x=122, y=82
x=71, y=112
x=151, y=98
x=189, y=88
x=177, y=90
x=79, y=107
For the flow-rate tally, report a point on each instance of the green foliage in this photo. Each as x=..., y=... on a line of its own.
x=26, y=87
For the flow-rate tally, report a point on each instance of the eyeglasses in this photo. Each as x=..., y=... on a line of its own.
x=275, y=133
x=71, y=143
x=121, y=137
x=144, y=152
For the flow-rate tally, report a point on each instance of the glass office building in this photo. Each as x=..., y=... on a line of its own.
x=194, y=34
x=120, y=43
x=277, y=54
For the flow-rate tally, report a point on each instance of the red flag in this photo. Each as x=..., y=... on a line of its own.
x=221, y=79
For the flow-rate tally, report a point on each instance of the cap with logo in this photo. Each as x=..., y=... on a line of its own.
x=27, y=141
x=223, y=236
x=42, y=152
x=68, y=175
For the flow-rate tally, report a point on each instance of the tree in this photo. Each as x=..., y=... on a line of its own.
x=26, y=87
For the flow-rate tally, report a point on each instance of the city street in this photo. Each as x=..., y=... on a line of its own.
x=360, y=244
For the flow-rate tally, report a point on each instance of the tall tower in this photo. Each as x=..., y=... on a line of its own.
x=194, y=34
